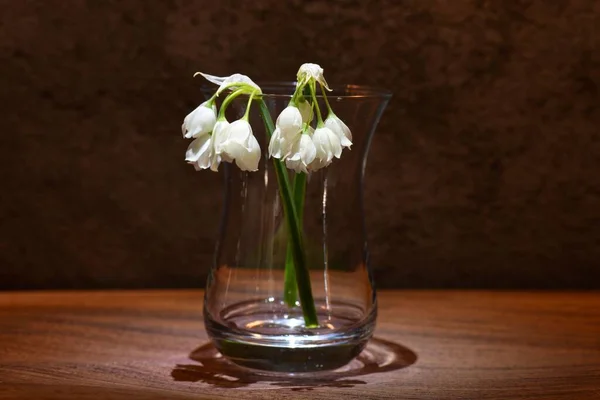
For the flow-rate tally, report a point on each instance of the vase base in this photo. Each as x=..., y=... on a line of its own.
x=287, y=359
x=268, y=336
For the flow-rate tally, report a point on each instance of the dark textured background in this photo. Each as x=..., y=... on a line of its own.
x=485, y=171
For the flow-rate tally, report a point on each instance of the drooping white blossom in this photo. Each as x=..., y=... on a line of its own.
x=240, y=145
x=202, y=152
x=200, y=121
x=294, y=141
x=309, y=71
x=276, y=148
x=289, y=121
x=288, y=127
x=229, y=82
x=199, y=151
x=340, y=129
x=302, y=153
x=219, y=135
x=327, y=145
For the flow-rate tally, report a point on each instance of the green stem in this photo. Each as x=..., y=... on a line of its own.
x=248, y=106
x=313, y=92
x=302, y=273
x=290, y=288
x=329, y=110
x=228, y=101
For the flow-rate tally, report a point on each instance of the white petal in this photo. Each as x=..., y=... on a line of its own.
x=340, y=129
x=217, y=80
x=322, y=144
x=250, y=159
x=215, y=160
x=220, y=134
x=246, y=158
x=221, y=126
x=223, y=81
x=241, y=146
x=296, y=165
x=239, y=131
x=229, y=151
x=198, y=151
x=308, y=152
x=287, y=146
x=345, y=142
x=237, y=136
x=294, y=160
x=289, y=122
x=200, y=121
x=310, y=71
x=318, y=164
x=294, y=153
x=275, y=144
x=334, y=143
x=207, y=158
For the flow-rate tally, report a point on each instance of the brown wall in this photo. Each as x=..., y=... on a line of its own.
x=485, y=171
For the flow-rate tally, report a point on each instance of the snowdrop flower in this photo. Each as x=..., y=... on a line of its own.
x=327, y=145
x=340, y=129
x=199, y=151
x=288, y=127
x=309, y=71
x=276, y=147
x=219, y=135
x=240, y=145
x=229, y=82
x=302, y=153
x=200, y=121
x=289, y=121
x=202, y=152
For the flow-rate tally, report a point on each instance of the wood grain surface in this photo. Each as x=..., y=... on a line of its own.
x=428, y=345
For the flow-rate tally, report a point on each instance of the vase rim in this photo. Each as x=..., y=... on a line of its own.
x=283, y=89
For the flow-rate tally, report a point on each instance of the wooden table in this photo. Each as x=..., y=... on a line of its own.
x=429, y=345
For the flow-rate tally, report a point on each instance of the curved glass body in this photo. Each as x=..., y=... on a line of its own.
x=244, y=310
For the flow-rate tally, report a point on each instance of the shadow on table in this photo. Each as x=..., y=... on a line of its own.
x=214, y=369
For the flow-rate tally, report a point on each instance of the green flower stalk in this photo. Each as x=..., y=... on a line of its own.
x=295, y=231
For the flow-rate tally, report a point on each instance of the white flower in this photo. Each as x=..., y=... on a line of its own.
x=288, y=128
x=224, y=81
x=240, y=145
x=289, y=122
x=219, y=135
x=302, y=154
x=327, y=145
x=200, y=121
x=340, y=129
x=309, y=71
x=276, y=147
x=202, y=152
x=199, y=151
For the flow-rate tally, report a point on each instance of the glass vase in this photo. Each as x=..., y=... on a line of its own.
x=248, y=314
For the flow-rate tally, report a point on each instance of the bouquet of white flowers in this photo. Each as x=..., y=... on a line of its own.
x=297, y=140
